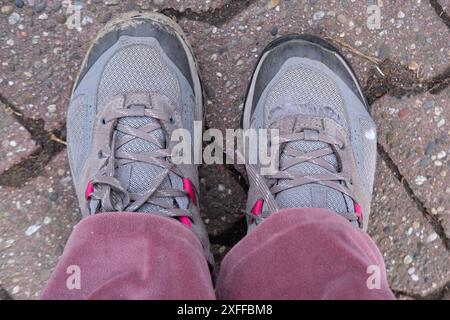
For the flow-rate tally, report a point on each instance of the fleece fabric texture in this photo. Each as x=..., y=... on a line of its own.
x=294, y=254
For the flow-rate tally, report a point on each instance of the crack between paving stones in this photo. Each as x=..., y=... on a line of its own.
x=49, y=144
x=216, y=17
x=399, y=82
x=234, y=233
x=438, y=294
x=391, y=77
x=431, y=219
x=230, y=236
x=440, y=12
x=34, y=164
x=4, y=294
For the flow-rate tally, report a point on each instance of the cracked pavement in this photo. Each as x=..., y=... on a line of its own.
x=404, y=67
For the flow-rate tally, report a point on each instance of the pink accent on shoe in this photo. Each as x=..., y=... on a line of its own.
x=257, y=208
x=89, y=190
x=358, y=211
x=186, y=221
x=189, y=188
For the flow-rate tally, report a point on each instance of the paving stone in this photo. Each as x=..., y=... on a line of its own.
x=38, y=70
x=420, y=146
x=417, y=262
x=42, y=55
x=35, y=223
x=17, y=142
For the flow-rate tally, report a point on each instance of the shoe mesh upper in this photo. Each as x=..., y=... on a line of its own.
x=138, y=68
x=301, y=86
x=77, y=133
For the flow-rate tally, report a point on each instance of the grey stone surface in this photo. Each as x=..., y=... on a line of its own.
x=35, y=222
x=416, y=134
x=16, y=142
x=40, y=56
x=416, y=259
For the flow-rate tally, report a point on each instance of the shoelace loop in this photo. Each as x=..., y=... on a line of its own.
x=269, y=186
x=107, y=191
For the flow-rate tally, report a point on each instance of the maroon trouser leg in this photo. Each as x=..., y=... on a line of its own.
x=294, y=254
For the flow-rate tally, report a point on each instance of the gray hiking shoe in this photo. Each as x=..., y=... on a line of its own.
x=138, y=83
x=305, y=88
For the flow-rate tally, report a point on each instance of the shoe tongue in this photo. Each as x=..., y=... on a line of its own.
x=138, y=177
x=312, y=195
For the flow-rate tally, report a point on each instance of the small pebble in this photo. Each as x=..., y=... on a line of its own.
x=7, y=10
x=433, y=236
x=221, y=187
x=272, y=4
x=274, y=31
x=60, y=18
x=318, y=15
x=104, y=17
x=56, y=5
x=420, y=180
x=413, y=66
x=51, y=108
x=32, y=229
x=441, y=155
x=53, y=197
x=40, y=7
x=342, y=18
x=407, y=260
x=86, y=20
x=19, y=3
x=13, y=18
